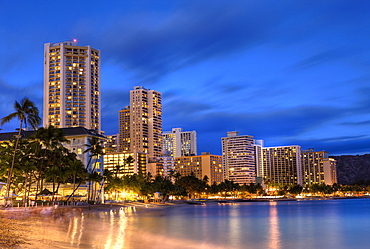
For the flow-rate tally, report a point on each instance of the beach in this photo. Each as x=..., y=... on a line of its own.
x=17, y=225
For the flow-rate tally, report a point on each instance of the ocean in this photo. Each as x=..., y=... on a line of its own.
x=325, y=224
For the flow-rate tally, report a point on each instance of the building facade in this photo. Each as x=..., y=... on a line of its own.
x=282, y=165
x=117, y=164
x=146, y=121
x=318, y=168
x=202, y=165
x=111, y=143
x=71, y=86
x=238, y=158
x=178, y=143
x=124, y=130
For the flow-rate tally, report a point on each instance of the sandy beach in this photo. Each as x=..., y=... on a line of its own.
x=18, y=226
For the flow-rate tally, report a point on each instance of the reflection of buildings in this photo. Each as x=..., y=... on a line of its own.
x=178, y=143
x=238, y=158
x=318, y=168
x=71, y=86
x=283, y=164
x=203, y=165
x=274, y=235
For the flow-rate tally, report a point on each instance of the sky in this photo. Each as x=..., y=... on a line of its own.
x=287, y=72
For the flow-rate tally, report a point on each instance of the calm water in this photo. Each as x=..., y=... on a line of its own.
x=296, y=224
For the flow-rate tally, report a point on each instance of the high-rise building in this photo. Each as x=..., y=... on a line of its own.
x=238, y=158
x=178, y=143
x=146, y=122
x=202, y=165
x=282, y=164
x=124, y=130
x=258, y=150
x=71, y=86
x=318, y=168
x=111, y=143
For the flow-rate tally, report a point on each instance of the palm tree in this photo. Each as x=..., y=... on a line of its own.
x=27, y=113
x=95, y=150
x=46, y=143
x=77, y=172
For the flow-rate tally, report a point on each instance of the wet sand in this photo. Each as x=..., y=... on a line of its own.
x=19, y=226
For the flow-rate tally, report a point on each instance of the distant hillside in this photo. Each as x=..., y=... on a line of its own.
x=351, y=169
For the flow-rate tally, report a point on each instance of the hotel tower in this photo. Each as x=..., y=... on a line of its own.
x=238, y=158
x=71, y=86
x=178, y=143
x=146, y=121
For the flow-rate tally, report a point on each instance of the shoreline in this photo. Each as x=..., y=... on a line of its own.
x=17, y=224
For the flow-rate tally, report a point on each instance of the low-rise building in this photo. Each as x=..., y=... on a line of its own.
x=203, y=165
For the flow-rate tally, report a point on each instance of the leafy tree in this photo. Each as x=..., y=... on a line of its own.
x=27, y=113
x=163, y=185
x=191, y=184
x=76, y=172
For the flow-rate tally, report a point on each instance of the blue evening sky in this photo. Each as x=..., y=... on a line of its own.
x=288, y=72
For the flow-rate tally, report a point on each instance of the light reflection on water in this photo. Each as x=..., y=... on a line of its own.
x=310, y=224
x=274, y=241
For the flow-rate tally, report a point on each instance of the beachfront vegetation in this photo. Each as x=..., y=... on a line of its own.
x=27, y=113
x=144, y=187
x=39, y=159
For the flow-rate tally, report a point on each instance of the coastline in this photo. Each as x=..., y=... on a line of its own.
x=17, y=223
x=18, y=226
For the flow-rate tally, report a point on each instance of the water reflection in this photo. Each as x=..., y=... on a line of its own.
x=272, y=225
x=274, y=240
x=117, y=240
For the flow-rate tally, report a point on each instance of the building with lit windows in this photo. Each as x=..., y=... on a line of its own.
x=111, y=143
x=71, y=86
x=238, y=158
x=258, y=151
x=168, y=163
x=140, y=127
x=318, y=168
x=124, y=130
x=146, y=121
x=202, y=165
x=116, y=163
x=282, y=164
x=178, y=143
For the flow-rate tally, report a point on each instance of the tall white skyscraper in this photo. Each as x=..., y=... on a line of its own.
x=71, y=86
x=178, y=143
x=238, y=158
x=146, y=121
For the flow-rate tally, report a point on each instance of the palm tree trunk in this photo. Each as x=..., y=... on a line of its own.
x=75, y=190
x=10, y=174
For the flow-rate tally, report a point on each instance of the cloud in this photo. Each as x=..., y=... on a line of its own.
x=332, y=55
x=274, y=124
x=360, y=123
x=349, y=145
x=187, y=36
